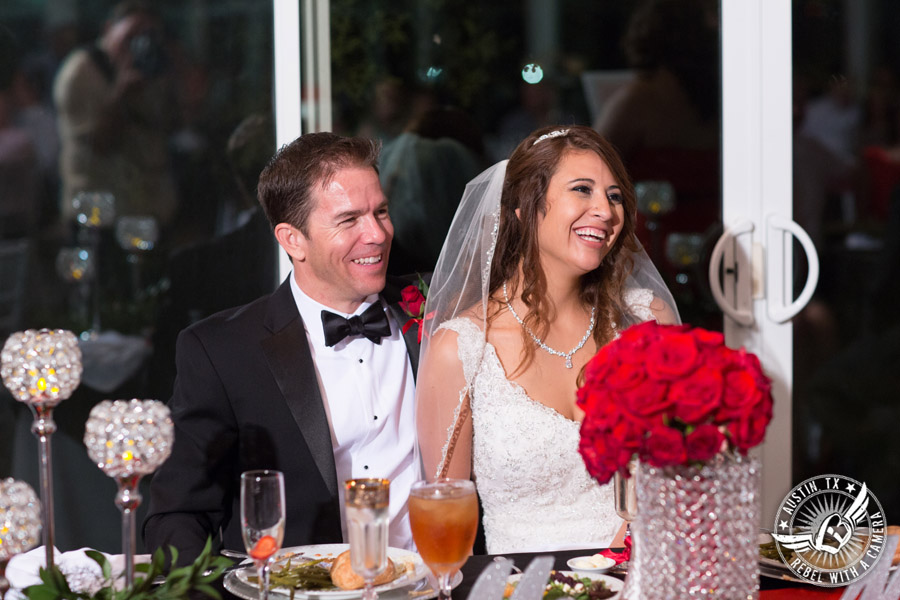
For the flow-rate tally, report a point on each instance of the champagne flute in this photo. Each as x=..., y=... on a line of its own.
x=367, y=502
x=262, y=520
x=444, y=518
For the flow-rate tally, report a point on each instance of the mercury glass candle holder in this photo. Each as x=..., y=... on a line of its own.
x=94, y=210
x=20, y=523
x=128, y=439
x=42, y=368
x=137, y=235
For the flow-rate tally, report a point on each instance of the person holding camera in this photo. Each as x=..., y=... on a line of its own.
x=114, y=100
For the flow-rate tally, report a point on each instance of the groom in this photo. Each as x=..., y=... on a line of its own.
x=315, y=380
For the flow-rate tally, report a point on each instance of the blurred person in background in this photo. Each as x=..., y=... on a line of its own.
x=18, y=157
x=114, y=101
x=424, y=171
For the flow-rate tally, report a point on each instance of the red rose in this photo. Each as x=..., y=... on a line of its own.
x=628, y=435
x=704, y=442
x=599, y=452
x=749, y=432
x=672, y=357
x=625, y=376
x=599, y=406
x=412, y=301
x=708, y=338
x=719, y=358
x=697, y=396
x=632, y=344
x=647, y=399
x=664, y=447
x=741, y=395
x=599, y=367
x=750, y=362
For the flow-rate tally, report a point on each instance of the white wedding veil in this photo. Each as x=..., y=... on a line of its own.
x=461, y=278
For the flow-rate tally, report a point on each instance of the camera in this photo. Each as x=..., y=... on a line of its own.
x=148, y=55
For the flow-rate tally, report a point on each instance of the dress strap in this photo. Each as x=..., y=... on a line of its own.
x=470, y=349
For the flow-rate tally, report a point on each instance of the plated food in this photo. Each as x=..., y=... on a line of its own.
x=570, y=585
x=344, y=577
x=322, y=572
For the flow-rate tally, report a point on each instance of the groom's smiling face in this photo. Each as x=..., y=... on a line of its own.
x=342, y=257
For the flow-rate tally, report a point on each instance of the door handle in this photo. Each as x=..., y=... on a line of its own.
x=735, y=301
x=779, y=306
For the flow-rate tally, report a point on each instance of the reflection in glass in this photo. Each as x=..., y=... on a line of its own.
x=76, y=265
x=136, y=236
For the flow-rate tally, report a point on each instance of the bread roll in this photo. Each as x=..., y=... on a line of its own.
x=343, y=575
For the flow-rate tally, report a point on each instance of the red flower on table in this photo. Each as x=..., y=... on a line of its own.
x=670, y=394
x=412, y=301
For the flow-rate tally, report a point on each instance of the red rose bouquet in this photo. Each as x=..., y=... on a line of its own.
x=671, y=395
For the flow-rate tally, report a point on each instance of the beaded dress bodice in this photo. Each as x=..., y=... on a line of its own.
x=534, y=488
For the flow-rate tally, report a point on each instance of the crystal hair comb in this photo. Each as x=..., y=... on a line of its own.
x=552, y=134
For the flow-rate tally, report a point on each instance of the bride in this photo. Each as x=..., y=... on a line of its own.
x=540, y=269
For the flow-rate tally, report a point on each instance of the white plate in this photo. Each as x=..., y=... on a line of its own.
x=411, y=562
x=614, y=584
x=608, y=563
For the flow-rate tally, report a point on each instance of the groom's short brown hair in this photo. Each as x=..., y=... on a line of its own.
x=286, y=185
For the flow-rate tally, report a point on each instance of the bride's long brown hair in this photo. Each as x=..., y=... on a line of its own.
x=528, y=174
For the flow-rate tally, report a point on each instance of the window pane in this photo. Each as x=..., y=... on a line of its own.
x=484, y=75
x=846, y=176
x=129, y=151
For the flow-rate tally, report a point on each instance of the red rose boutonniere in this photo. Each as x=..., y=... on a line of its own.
x=671, y=395
x=412, y=301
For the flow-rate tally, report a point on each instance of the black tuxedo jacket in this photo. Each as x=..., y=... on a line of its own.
x=246, y=397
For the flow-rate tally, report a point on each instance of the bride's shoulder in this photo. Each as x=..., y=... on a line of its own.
x=645, y=305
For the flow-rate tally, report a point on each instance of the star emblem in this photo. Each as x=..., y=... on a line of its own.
x=851, y=487
x=783, y=525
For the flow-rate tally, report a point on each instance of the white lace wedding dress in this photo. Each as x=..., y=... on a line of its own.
x=534, y=488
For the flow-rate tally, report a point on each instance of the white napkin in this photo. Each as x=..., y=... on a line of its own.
x=82, y=573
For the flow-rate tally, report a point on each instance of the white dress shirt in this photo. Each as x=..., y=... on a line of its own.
x=369, y=396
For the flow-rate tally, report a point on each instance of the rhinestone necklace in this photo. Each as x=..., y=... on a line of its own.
x=540, y=342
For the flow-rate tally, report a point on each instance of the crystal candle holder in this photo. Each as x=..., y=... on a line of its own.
x=94, y=209
x=20, y=523
x=42, y=368
x=128, y=439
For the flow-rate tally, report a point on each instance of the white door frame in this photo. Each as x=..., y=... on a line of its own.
x=757, y=174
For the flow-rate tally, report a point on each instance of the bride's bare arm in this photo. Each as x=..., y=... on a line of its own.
x=662, y=312
x=442, y=420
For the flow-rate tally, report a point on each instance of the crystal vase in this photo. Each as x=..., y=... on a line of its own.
x=696, y=531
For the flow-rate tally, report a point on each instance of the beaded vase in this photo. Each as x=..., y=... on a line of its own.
x=696, y=531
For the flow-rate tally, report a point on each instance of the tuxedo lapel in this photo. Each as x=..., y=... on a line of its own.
x=287, y=352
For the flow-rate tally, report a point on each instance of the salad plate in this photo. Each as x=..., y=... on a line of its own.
x=612, y=583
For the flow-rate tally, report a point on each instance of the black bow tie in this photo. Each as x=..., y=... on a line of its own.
x=373, y=324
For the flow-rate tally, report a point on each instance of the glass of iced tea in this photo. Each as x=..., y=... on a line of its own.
x=444, y=518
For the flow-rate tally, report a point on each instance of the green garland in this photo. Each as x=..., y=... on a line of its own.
x=194, y=579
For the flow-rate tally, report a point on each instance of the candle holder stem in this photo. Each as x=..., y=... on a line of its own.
x=128, y=499
x=43, y=427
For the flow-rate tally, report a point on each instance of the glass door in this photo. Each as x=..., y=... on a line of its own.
x=846, y=169
x=126, y=207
